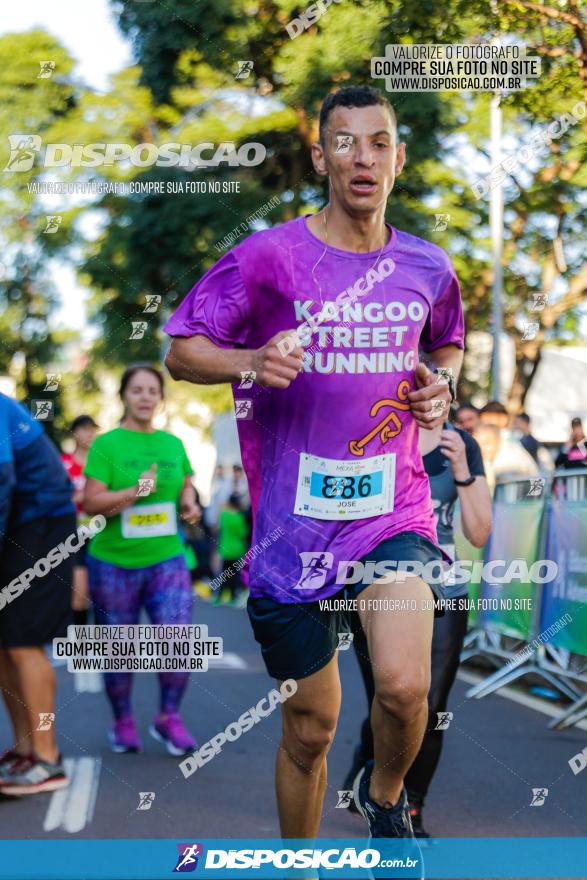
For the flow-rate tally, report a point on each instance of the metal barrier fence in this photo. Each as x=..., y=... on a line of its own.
x=549, y=617
x=566, y=597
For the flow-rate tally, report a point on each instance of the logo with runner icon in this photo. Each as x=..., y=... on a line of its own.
x=444, y=719
x=146, y=799
x=315, y=567
x=345, y=798
x=539, y=796
x=23, y=149
x=345, y=641
x=387, y=427
x=189, y=854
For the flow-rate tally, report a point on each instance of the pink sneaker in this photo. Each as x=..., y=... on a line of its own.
x=124, y=736
x=170, y=730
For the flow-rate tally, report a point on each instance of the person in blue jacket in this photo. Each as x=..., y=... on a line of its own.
x=38, y=540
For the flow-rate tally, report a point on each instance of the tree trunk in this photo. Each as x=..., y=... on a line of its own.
x=527, y=360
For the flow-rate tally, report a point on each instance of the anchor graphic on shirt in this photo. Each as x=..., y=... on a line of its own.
x=384, y=429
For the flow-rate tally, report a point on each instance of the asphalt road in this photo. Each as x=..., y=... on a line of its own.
x=496, y=752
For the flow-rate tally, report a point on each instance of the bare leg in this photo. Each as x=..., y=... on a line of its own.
x=37, y=686
x=400, y=650
x=15, y=706
x=80, y=598
x=309, y=722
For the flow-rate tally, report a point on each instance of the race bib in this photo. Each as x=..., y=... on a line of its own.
x=343, y=490
x=149, y=521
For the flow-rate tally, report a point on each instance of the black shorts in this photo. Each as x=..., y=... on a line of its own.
x=42, y=611
x=80, y=558
x=298, y=639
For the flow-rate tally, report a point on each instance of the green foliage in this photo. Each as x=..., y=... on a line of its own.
x=183, y=90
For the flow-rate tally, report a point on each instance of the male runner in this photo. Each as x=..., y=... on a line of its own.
x=37, y=517
x=331, y=445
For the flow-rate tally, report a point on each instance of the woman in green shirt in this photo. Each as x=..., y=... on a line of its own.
x=138, y=478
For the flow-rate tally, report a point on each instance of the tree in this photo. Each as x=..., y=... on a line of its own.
x=161, y=244
x=544, y=250
x=30, y=105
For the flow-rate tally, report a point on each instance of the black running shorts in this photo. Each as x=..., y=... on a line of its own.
x=42, y=611
x=298, y=639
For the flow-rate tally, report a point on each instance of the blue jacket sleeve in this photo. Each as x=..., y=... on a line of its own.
x=6, y=487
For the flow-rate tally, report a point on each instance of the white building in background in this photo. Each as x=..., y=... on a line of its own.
x=559, y=388
x=558, y=392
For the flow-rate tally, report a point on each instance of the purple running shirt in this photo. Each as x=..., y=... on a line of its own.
x=332, y=461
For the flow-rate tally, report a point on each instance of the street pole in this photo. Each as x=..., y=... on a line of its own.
x=496, y=222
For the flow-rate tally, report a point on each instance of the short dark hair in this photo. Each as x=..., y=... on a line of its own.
x=576, y=422
x=524, y=416
x=466, y=404
x=352, y=96
x=82, y=422
x=135, y=368
x=494, y=406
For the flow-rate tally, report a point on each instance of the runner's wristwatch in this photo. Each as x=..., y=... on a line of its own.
x=466, y=482
x=449, y=376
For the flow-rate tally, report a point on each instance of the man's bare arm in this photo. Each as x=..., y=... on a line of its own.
x=198, y=360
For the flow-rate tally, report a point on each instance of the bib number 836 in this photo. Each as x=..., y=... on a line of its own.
x=346, y=487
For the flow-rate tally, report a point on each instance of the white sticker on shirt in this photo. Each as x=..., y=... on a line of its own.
x=149, y=521
x=343, y=490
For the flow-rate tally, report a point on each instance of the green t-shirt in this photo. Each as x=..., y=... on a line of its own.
x=233, y=534
x=147, y=532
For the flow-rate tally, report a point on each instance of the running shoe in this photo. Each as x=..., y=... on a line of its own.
x=170, y=730
x=358, y=762
x=7, y=761
x=389, y=823
x=32, y=775
x=124, y=736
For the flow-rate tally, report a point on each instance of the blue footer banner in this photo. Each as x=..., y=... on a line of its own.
x=482, y=857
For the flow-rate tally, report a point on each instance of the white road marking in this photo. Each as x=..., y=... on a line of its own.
x=87, y=682
x=515, y=696
x=72, y=808
x=227, y=661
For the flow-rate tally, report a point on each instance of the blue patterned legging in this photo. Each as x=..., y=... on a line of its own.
x=117, y=595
